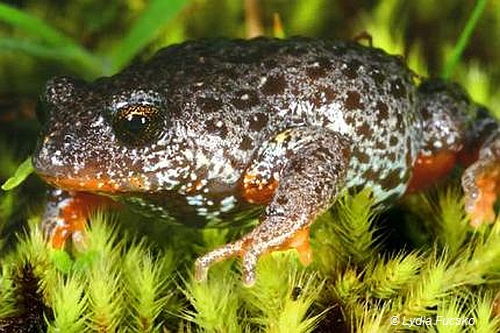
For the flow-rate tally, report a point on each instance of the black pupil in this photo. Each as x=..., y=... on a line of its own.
x=136, y=124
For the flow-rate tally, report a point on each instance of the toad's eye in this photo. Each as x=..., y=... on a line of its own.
x=138, y=125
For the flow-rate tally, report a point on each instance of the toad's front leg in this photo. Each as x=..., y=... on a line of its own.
x=298, y=174
x=66, y=216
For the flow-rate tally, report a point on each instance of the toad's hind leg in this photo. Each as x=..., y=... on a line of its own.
x=306, y=169
x=457, y=130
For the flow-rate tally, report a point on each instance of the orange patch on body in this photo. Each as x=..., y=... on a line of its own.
x=75, y=216
x=482, y=208
x=427, y=170
x=74, y=184
x=256, y=191
x=105, y=185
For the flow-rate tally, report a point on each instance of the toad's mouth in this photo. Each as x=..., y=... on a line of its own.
x=102, y=184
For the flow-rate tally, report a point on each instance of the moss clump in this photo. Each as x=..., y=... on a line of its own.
x=118, y=283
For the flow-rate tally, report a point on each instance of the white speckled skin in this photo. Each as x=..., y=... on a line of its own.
x=315, y=117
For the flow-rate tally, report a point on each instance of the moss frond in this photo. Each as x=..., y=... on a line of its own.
x=373, y=319
x=69, y=305
x=282, y=298
x=442, y=218
x=148, y=280
x=451, y=316
x=348, y=289
x=7, y=296
x=433, y=285
x=348, y=231
x=479, y=259
x=32, y=246
x=485, y=318
x=451, y=218
x=106, y=295
x=275, y=274
x=215, y=302
x=296, y=311
x=390, y=277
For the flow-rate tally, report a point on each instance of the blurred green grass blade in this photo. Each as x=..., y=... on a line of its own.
x=22, y=172
x=30, y=47
x=33, y=25
x=156, y=15
x=463, y=40
x=52, y=44
x=89, y=65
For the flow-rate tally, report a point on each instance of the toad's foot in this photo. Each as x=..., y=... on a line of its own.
x=481, y=183
x=250, y=248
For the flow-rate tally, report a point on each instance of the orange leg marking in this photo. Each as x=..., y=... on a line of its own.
x=256, y=190
x=74, y=217
x=300, y=242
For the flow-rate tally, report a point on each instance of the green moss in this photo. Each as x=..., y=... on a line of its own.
x=117, y=282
